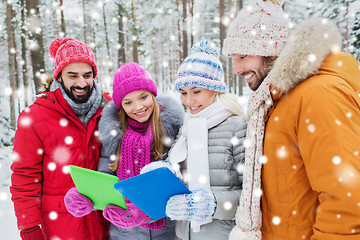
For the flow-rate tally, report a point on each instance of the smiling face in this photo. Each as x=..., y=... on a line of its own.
x=253, y=68
x=196, y=98
x=77, y=81
x=138, y=105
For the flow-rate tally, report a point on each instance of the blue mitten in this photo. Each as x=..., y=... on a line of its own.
x=198, y=206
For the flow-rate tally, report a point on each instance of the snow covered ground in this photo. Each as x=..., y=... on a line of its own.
x=8, y=229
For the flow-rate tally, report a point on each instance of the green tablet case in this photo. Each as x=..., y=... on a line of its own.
x=97, y=186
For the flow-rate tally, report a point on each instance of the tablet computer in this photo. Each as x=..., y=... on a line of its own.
x=150, y=191
x=97, y=186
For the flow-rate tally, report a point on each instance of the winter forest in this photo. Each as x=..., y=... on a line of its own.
x=157, y=34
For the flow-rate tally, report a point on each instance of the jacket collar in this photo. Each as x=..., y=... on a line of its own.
x=302, y=56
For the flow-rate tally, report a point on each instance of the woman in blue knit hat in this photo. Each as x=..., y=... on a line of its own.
x=209, y=150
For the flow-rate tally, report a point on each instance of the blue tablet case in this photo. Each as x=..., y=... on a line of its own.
x=97, y=186
x=150, y=191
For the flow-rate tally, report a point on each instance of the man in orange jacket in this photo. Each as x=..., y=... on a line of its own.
x=302, y=158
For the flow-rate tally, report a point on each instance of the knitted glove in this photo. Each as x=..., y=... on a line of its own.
x=77, y=204
x=34, y=233
x=159, y=164
x=123, y=218
x=198, y=206
x=156, y=225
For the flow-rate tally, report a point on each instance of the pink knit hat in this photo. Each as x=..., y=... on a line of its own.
x=259, y=29
x=128, y=78
x=68, y=50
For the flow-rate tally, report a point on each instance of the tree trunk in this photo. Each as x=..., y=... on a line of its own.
x=84, y=18
x=12, y=60
x=62, y=18
x=179, y=30
x=23, y=54
x=239, y=5
x=185, y=36
x=106, y=33
x=37, y=50
x=191, y=9
x=121, y=52
x=135, y=37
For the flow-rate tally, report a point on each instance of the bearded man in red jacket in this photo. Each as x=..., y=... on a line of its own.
x=59, y=129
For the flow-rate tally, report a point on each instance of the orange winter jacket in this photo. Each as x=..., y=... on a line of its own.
x=311, y=180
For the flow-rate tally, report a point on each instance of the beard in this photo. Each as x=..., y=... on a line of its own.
x=78, y=99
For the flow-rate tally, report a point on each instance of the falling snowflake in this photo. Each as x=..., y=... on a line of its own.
x=112, y=157
x=53, y=215
x=25, y=121
x=282, y=153
x=227, y=205
x=276, y=220
x=3, y=196
x=40, y=151
x=61, y=155
x=294, y=212
x=15, y=156
x=336, y=160
x=167, y=141
x=96, y=133
x=258, y=192
x=69, y=140
x=263, y=159
x=52, y=166
x=202, y=179
x=311, y=128
x=312, y=58
x=240, y=168
x=63, y=122
x=234, y=141
x=66, y=169
x=337, y=122
x=247, y=143
x=113, y=132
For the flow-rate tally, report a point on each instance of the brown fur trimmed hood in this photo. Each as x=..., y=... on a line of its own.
x=305, y=50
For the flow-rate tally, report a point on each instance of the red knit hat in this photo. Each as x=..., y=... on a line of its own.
x=68, y=50
x=130, y=77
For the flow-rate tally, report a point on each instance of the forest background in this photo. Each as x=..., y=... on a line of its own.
x=158, y=34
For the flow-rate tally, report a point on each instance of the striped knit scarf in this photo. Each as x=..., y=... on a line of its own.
x=248, y=215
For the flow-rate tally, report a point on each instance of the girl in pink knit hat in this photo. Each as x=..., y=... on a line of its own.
x=136, y=128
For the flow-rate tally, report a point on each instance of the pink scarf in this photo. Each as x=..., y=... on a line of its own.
x=135, y=149
x=135, y=154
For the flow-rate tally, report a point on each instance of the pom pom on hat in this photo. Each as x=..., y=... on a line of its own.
x=68, y=50
x=259, y=29
x=202, y=68
x=128, y=78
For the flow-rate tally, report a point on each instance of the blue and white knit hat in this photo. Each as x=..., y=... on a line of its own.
x=202, y=68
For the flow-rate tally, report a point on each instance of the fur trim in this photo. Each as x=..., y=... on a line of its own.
x=172, y=115
x=305, y=50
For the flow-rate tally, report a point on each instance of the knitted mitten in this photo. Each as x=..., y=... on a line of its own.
x=34, y=233
x=157, y=225
x=123, y=218
x=159, y=164
x=77, y=204
x=198, y=206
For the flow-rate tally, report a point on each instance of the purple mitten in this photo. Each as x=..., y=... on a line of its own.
x=77, y=204
x=157, y=225
x=123, y=218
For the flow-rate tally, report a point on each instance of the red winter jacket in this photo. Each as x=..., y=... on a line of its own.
x=49, y=138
